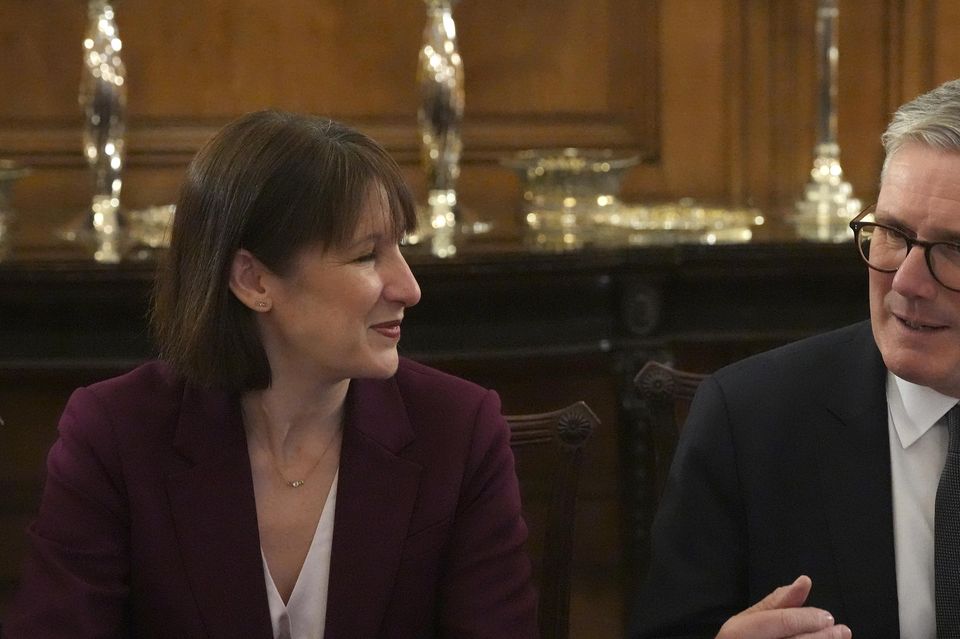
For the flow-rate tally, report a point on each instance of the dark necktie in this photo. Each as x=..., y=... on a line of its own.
x=946, y=553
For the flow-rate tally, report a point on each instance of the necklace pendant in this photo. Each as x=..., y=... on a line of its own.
x=295, y=484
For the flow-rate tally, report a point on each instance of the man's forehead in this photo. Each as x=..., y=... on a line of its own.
x=921, y=180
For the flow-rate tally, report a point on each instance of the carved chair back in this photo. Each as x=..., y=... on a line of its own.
x=548, y=448
x=665, y=393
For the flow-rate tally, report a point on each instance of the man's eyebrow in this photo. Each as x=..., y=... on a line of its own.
x=944, y=235
x=889, y=219
x=950, y=237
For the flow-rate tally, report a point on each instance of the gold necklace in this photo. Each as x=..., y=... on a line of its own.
x=297, y=483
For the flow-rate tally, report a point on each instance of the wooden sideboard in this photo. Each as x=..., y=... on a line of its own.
x=544, y=329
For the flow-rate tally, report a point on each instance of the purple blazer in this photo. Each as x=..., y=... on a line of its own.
x=148, y=527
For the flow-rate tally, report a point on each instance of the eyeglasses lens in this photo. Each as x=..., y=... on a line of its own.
x=882, y=248
x=885, y=250
x=945, y=261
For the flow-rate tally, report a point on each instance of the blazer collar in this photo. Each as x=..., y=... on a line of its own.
x=215, y=517
x=377, y=491
x=855, y=476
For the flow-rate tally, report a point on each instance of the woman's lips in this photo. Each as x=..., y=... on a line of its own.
x=390, y=330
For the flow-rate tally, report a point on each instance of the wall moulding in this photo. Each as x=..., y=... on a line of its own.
x=172, y=144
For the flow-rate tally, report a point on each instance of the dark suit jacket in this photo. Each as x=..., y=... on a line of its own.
x=148, y=526
x=783, y=469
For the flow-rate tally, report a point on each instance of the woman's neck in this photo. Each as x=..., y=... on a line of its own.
x=292, y=421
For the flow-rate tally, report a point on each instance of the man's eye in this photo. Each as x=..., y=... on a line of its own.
x=366, y=257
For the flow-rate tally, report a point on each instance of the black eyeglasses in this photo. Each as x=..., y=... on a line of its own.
x=884, y=249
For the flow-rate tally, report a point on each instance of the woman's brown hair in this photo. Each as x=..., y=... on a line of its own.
x=274, y=184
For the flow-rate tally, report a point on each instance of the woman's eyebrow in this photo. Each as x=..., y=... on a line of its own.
x=359, y=241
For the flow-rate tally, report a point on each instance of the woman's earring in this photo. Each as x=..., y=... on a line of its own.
x=262, y=304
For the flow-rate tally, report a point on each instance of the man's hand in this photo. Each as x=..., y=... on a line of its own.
x=780, y=616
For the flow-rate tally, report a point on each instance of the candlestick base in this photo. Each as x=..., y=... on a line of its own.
x=100, y=230
x=824, y=214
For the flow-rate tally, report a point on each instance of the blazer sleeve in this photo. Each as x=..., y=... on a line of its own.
x=486, y=588
x=74, y=580
x=697, y=576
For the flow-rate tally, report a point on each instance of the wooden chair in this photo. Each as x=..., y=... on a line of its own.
x=663, y=400
x=548, y=448
x=665, y=394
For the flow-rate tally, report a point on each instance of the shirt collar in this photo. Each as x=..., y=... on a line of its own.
x=914, y=409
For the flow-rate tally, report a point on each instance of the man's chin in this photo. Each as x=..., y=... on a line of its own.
x=917, y=368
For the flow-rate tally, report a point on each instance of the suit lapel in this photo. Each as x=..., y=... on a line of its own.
x=215, y=518
x=855, y=476
x=376, y=493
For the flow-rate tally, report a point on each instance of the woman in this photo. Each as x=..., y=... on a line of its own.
x=281, y=472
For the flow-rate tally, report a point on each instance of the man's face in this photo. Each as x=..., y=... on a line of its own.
x=915, y=320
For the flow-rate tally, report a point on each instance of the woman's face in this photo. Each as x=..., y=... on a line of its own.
x=337, y=314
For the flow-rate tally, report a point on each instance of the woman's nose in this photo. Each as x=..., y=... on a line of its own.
x=401, y=285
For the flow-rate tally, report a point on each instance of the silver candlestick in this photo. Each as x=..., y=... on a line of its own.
x=440, y=78
x=103, y=100
x=828, y=204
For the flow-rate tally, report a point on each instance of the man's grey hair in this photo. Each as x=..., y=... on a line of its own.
x=932, y=119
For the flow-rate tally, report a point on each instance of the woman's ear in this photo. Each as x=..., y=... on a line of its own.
x=246, y=281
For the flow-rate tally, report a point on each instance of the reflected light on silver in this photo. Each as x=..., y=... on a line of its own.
x=103, y=99
x=828, y=204
x=439, y=116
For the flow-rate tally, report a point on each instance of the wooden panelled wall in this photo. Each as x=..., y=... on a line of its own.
x=717, y=95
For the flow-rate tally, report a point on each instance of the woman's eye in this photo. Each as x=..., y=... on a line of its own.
x=366, y=257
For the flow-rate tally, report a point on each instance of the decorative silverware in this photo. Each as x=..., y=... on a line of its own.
x=568, y=194
x=440, y=78
x=103, y=100
x=10, y=172
x=828, y=204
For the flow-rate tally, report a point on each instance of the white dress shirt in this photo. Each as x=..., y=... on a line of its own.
x=305, y=613
x=917, y=454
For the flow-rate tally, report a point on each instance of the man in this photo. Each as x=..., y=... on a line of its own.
x=807, y=477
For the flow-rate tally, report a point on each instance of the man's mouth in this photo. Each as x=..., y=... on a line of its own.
x=918, y=324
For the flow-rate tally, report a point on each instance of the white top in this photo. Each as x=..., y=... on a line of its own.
x=917, y=454
x=305, y=614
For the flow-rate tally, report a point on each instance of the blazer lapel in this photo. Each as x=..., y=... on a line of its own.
x=215, y=518
x=855, y=475
x=376, y=493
